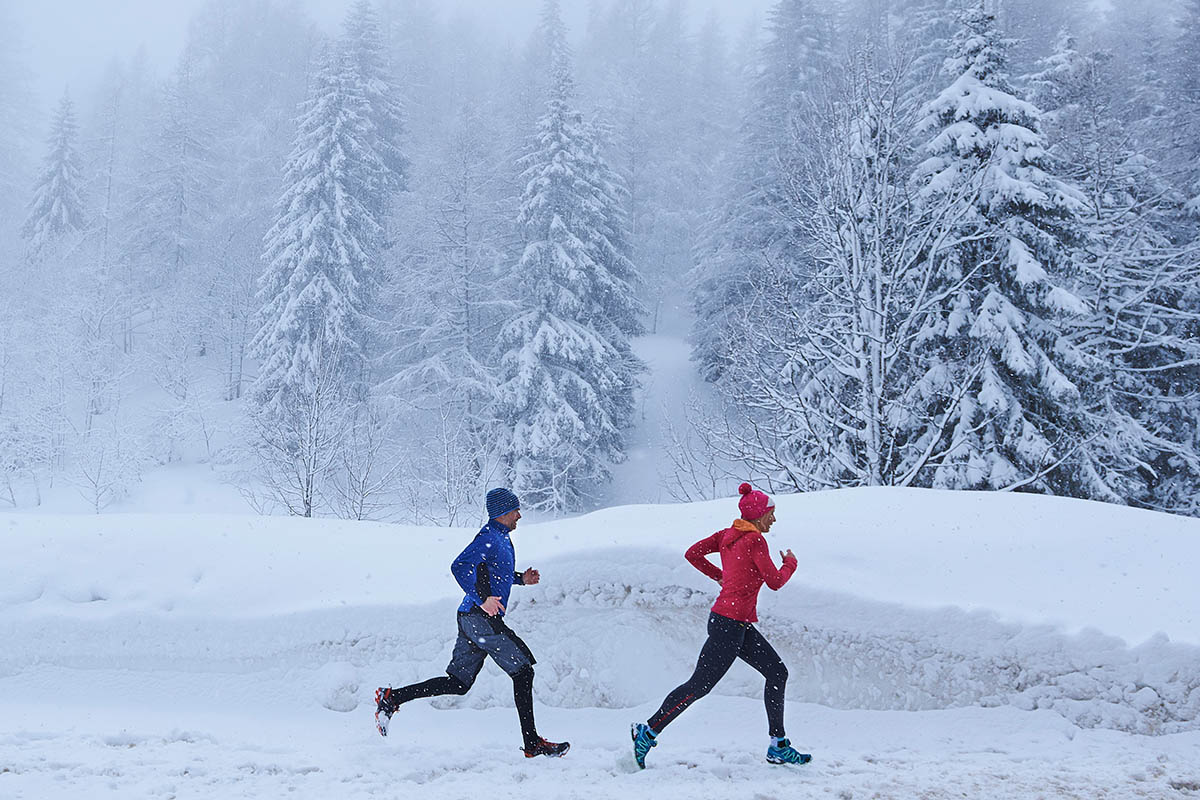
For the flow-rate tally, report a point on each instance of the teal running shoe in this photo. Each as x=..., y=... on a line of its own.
x=643, y=740
x=784, y=753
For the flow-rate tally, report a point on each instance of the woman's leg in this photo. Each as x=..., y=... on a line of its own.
x=716, y=657
x=758, y=653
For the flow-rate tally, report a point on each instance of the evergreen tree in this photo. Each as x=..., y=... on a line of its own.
x=453, y=244
x=363, y=41
x=567, y=388
x=752, y=225
x=57, y=210
x=177, y=186
x=1185, y=101
x=924, y=30
x=1144, y=327
x=245, y=123
x=1021, y=424
x=319, y=284
x=617, y=312
x=1031, y=27
x=16, y=110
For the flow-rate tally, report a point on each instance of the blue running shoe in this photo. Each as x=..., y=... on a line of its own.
x=784, y=753
x=643, y=740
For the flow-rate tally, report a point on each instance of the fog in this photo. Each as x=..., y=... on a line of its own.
x=68, y=41
x=371, y=258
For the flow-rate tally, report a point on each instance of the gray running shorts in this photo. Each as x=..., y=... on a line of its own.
x=480, y=636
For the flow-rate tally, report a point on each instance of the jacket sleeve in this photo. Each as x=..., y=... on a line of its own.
x=697, y=552
x=518, y=579
x=466, y=571
x=774, y=578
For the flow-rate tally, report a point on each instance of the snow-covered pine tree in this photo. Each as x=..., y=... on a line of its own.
x=123, y=120
x=248, y=121
x=1031, y=26
x=442, y=379
x=319, y=284
x=1184, y=98
x=617, y=312
x=17, y=111
x=318, y=289
x=640, y=59
x=1022, y=423
x=1142, y=287
x=835, y=378
x=924, y=30
x=177, y=186
x=566, y=394
x=751, y=226
x=449, y=268
x=363, y=41
x=57, y=210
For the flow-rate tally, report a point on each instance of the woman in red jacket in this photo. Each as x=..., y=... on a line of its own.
x=746, y=565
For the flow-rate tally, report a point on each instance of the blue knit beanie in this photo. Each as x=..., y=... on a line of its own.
x=500, y=502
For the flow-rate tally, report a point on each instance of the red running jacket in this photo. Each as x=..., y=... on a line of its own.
x=747, y=566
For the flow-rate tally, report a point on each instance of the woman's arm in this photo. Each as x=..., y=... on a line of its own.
x=774, y=578
x=697, y=552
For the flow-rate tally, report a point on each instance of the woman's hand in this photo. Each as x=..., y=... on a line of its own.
x=786, y=555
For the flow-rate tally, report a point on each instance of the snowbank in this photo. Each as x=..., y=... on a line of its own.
x=905, y=600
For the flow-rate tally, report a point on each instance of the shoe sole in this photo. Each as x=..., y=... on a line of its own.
x=382, y=727
x=781, y=761
x=565, y=750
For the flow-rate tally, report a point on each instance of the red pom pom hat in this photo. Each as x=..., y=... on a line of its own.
x=753, y=503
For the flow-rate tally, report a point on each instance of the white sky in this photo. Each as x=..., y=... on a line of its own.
x=67, y=42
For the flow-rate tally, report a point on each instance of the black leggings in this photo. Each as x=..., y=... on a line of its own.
x=729, y=640
x=448, y=684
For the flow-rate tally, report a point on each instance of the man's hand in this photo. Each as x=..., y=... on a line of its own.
x=530, y=576
x=491, y=606
x=787, y=555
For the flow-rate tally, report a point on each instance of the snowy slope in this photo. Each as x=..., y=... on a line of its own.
x=1025, y=646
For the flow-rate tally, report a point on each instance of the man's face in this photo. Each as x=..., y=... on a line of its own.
x=509, y=520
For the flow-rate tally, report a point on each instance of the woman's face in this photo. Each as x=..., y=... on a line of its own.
x=766, y=520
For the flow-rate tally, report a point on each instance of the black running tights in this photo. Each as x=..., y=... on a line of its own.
x=448, y=684
x=729, y=640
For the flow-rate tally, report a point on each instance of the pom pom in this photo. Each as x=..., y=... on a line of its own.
x=745, y=488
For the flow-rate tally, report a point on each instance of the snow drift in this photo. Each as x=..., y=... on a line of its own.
x=908, y=600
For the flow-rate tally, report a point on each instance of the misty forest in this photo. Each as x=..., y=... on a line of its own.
x=374, y=270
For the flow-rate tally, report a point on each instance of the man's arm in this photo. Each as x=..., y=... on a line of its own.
x=466, y=571
x=527, y=578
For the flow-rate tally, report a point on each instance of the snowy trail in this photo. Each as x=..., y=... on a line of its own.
x=662, y=401
x=714, y=752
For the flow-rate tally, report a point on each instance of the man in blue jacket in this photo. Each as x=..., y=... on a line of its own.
x=486, y=571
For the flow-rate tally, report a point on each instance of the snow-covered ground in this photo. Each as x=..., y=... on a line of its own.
x=940, y=645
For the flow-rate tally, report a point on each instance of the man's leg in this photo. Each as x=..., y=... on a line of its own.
x=512, y=654
x=523, y=697
x=434, y=687
x=465, y=663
